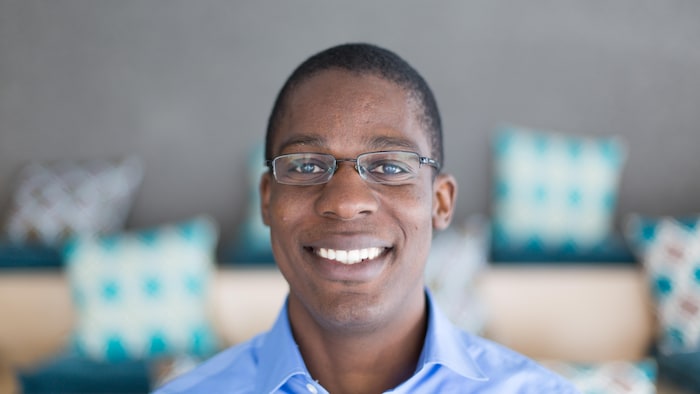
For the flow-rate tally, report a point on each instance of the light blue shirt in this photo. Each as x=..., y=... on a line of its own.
x=452, y=361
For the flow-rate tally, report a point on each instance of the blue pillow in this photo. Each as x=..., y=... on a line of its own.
x=667, y=246
x=144, y=294
x=555, y=194
x=640, y=230
x=670, y=253
x=682, y=369
x=612, y=250
x=72, y=374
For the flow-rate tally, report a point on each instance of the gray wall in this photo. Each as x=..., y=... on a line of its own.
x=187, y=85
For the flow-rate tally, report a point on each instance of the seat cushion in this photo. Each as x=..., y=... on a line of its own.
x=69, y=373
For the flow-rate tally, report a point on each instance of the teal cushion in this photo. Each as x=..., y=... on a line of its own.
x=144, y=294
x=612, y=250
x=640, y=230
x=552, y=191
x=23, y=256
x=72, y=374
x=683, y=369
x=671, y=255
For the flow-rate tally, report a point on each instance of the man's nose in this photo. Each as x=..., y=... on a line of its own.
x=346, y=196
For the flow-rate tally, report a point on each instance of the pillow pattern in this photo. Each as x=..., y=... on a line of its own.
x=553, y=191
x=672, y=263
x=615, y=377
x=143, y=294
x=640, y=231
x=56, y=200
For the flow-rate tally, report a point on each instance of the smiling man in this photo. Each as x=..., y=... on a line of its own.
x=354, y=192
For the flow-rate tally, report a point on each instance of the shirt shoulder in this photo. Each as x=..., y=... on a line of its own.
x=233, y=371
x=507, y=369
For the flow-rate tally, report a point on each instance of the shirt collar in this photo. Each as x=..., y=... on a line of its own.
x=444, y=346
x=279, y=356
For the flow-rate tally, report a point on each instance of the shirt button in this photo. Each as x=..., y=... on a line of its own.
x=312, y=389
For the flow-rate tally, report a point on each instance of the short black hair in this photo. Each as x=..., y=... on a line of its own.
x=364, y=59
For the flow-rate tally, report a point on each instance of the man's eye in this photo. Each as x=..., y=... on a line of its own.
x=308, y=168
x=389, y=168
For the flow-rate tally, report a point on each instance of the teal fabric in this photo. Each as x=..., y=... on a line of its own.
x=613, y=250
x=144, y=294
x=29, y=256
x=70, y=373
x=672, y=266
x=554, y=195
x=682, y=369
x=680, y=366
x=640, y=230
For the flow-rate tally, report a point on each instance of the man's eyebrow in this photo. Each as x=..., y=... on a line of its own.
x=302, y=140
x=377, y=143
x=386, y=142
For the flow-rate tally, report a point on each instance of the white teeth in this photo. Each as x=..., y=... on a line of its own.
x=349, y=256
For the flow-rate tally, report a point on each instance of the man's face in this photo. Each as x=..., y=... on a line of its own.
x=344, y=114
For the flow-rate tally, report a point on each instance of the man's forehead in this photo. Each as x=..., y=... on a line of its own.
x=385, y=101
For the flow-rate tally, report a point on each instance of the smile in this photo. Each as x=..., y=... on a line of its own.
x=349, y=256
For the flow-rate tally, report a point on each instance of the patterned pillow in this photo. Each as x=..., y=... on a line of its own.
x=55, y=200
x=554, y=191
x=143, y=294
x=615, y=377
x=456, y=256
x=640, y=231
x=672, y=262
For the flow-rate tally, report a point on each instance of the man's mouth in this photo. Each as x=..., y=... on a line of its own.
x=349, y=256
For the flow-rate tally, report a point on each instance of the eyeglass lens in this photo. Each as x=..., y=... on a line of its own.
x=393, y=167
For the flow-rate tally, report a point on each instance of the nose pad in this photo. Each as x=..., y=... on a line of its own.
x=358, y=169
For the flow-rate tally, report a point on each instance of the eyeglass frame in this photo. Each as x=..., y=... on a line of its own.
x=422, y=160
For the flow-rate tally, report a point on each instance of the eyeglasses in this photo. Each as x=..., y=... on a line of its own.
x=386, y=167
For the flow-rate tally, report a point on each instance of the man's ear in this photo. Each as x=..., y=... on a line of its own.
x=264, y=188
x=444, y=199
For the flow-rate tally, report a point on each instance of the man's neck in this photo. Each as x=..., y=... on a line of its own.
x=370, y=361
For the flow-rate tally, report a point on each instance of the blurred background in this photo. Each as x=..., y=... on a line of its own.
x=144, y=121
x=187, y=87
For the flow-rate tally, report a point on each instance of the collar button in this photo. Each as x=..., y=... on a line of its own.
x=312, y=389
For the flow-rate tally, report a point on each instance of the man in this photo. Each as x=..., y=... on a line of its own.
x=354, y=191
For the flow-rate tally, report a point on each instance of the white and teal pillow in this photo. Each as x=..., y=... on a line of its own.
x=56, y=200
x=641, y=231
x=671, y=255
x=456, y=257
x=554, y=192
x=144, y=294
x=614, y=377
